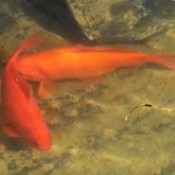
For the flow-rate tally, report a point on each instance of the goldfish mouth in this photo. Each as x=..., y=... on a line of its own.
x=41, y=147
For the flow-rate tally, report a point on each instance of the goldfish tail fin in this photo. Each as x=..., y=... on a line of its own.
x=30, y=42
x=165, y=60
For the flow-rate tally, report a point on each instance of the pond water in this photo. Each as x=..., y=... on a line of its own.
x=122, y=124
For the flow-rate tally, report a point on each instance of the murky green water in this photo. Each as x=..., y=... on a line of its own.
x=124, y=124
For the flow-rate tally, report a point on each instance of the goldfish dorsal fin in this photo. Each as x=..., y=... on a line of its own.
x=30, y=42
x=84, y=49
x=9, y=131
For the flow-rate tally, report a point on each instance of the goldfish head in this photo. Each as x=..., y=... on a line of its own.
x=39, y=139
x=28, y=70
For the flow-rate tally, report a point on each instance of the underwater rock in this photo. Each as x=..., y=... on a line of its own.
x=9, y=13
x=100, y=20
x=121, y=20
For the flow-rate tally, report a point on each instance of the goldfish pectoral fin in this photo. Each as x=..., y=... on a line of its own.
x=45, y=88
x=9, y=131
x=92, y=80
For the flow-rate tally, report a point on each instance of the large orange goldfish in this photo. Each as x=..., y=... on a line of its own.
x=80, y=62
x=23, y=117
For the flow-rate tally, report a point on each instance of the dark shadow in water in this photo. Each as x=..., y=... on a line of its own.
x=56, y=17
x=13, y=144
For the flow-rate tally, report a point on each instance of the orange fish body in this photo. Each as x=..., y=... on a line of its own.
x=23, y=117
x=81, y=62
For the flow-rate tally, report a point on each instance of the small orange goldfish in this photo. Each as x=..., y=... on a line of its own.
x=23, y=117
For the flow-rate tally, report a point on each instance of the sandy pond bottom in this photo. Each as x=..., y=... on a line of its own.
x=123, y=124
